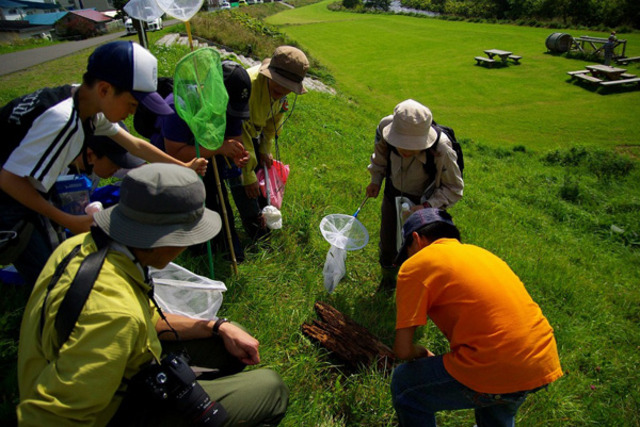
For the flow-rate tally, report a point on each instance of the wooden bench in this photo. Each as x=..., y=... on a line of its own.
x=627, y=76
x=625, y=61
x=573, y=73
x=515, y=58
x=588, y=78
x=482, y=59
x=620, y=82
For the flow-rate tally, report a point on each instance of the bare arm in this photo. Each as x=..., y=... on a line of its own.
x=21, y=189
x=237, y=342
x=150, y=153
x=404, y=347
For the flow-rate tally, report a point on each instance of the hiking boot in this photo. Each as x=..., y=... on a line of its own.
x=388, y=281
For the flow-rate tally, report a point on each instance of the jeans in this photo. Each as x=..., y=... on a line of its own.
x=423, y=387
x=389, y=224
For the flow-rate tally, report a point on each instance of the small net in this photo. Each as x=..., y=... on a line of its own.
x=200, y=96
x=144, y=10
x=344, y=232
x=181, y=9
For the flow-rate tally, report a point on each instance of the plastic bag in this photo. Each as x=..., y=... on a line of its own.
x=403, y=210
x=334, y=268
x=179, y=291
x=278, y=174
x=273, y=217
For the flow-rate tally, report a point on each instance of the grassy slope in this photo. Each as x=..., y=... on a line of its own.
x=385, y=59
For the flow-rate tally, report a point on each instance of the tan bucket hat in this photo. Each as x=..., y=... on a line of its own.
x=411, y=127
x=288, y=66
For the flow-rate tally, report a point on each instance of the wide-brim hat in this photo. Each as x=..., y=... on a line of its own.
x=160, y=205
x=415, y=222
x=411, y=127
x=288, y=67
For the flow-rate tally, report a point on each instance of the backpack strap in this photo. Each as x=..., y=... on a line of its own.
x=80, y=288
x=78, y=292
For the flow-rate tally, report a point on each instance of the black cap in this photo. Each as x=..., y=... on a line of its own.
x=415, y=222
x=105, y=146
x=238, y=84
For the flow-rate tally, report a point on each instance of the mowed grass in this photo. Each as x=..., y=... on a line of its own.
x=548, y=214
x=382, y=59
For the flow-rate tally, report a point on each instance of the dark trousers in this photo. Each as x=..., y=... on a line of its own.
x=213, y=202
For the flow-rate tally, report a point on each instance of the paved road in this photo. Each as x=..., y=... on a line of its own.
x=16, y=61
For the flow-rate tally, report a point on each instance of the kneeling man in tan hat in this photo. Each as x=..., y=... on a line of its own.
x=84, y=373
x=418, y=163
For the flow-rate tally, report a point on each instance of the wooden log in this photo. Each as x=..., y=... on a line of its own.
x=347, y=340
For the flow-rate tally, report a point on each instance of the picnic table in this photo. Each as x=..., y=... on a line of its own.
x=503, y=54
x=605, y=75
x=606, y=72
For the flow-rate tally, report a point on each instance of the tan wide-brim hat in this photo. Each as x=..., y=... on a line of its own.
x=411, y=127
x=288, y=67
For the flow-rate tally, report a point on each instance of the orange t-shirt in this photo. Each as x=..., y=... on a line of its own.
x=500, y=341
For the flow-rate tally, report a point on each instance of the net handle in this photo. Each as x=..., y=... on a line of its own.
x=355, y=215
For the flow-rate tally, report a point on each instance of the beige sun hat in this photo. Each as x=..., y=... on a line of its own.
x=288, y=66
x=411, y=127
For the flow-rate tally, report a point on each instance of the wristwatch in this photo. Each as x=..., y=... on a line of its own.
x=216, y=326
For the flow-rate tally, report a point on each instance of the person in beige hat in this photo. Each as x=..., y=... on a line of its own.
x=419, y=163
x=271, y=83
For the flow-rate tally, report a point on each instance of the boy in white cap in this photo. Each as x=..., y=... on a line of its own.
x=84, y=373
x=271, y=82
x=45, y=131
x=418, y=163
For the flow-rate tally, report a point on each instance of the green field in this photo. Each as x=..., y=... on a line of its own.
x=548, y=187
x=381, y=59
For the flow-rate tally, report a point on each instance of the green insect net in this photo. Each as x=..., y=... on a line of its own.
x=200, y=96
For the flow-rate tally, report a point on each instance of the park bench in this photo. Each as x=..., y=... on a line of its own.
x=588, y=78
x=573, y=73
x=627, y=76
x=620, y=82
x=482, y=59
x=515, y=58
x=625, y=61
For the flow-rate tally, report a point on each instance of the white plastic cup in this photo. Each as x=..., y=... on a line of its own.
x=93, y=207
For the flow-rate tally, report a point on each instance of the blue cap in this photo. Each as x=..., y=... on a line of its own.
x=415, y=222
x=129, y=66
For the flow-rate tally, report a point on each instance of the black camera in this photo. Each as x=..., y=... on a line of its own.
x=172, y=381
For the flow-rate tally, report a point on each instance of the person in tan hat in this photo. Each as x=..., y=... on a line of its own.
x=91, y=372
x=419, y=163
x=271, y=83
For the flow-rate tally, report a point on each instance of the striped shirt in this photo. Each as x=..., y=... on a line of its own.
x=42, y=134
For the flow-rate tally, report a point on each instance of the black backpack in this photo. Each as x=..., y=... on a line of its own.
x=430, y=166
x=145, y=121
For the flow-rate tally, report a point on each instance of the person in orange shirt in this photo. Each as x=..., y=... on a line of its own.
x=502, y=347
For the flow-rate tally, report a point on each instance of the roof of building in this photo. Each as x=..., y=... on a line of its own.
x=30, y=4
x=45, y=18
x=91, y=14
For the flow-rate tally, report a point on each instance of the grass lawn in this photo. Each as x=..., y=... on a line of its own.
x=382, y=59
x=544, y=189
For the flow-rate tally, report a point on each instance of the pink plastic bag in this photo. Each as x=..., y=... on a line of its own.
x=278, y=174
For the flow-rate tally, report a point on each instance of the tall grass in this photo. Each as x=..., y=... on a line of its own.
x=562, y=212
